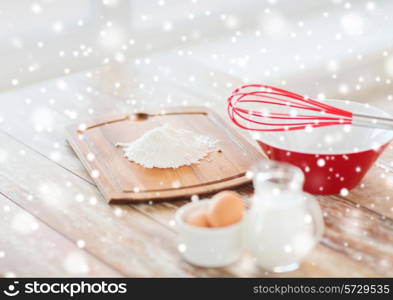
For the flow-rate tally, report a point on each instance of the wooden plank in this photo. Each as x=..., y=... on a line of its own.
x=120, y=236
x=359, y=233
x=30, y=248
x=376, y=190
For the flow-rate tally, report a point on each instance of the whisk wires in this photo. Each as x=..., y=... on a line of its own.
x=291, y=110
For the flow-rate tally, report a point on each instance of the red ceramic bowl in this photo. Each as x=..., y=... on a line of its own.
x=334, y=159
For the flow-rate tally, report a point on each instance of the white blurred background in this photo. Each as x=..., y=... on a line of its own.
x=335, y=46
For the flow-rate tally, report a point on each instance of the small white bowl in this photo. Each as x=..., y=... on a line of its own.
x=207, y=247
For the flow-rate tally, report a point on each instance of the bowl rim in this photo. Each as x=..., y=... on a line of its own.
x=317, y=154
x=386, y=139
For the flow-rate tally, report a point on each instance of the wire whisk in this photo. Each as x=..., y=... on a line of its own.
x=293, y=111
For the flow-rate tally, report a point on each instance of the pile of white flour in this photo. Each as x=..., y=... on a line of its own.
x=168, y=147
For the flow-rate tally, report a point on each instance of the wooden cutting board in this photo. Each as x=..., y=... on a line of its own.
x=120, y=180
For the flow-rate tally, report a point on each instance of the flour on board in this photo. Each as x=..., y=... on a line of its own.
x=168, y=147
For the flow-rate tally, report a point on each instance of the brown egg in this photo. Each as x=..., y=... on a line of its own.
x=227, y=208
x=198, y=218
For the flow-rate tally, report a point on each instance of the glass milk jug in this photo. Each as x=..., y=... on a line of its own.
x=283, y=223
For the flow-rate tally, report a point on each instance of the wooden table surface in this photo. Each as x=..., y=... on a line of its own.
x=54, y=221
